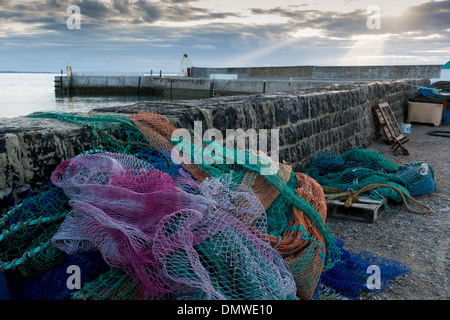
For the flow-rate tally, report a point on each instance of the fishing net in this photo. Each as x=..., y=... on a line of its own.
x=295, y=236
x=296, y=229
x=5, y=293
x=290, y=219
x=32, y=267
x=170, y=241
x=358, y=168
x=144, y=219
x=25, y=244
x=114, y=284
x=418, y=177
x=110, y=132
x=350, y=276
x=52, y=284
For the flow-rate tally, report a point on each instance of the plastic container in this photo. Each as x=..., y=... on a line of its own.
x=406, y=127
x=446, y=116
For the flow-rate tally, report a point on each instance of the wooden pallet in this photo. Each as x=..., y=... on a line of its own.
x=366, y=210
x=390, y=127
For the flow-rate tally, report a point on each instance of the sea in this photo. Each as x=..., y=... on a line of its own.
x=24, y=93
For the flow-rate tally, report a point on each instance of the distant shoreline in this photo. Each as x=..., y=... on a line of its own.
x=27, y=72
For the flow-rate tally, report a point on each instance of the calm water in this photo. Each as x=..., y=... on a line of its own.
x=25, y=93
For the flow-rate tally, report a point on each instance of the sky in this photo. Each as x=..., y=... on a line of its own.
x=144, y=35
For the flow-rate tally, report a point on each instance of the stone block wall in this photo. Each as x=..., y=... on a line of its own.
x=333, y=119
x=30, y=149
x=390, y=72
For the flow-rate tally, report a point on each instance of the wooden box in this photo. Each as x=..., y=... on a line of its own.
x=425, y=112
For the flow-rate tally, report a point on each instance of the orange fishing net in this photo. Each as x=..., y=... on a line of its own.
x=302, y=244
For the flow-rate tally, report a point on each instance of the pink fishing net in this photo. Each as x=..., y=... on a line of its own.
x=208, y=243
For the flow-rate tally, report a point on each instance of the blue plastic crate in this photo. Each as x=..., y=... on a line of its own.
x=446, y=116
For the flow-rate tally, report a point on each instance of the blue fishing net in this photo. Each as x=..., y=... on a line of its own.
x=52, y=284
x=418, y=177
x=351, y=276
x=5, y=294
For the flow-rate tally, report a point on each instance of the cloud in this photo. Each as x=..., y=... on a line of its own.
x=122, y=6
x=426, y=17
x=95, y=9
x=157, y=32
x=100, y=13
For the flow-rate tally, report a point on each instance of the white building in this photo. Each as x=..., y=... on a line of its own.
x=445, y=73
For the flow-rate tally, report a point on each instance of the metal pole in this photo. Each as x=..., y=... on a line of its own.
x=139, y=84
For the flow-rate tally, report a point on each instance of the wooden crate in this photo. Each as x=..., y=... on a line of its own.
x=366, y=210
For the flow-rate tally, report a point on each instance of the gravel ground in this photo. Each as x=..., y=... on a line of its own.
x=421, y=241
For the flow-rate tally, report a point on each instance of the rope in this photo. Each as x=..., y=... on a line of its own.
x=445, y=134
x=411, y=85
x=17, y=262
x=21, y=226
x=4, y=219
x=352, y=196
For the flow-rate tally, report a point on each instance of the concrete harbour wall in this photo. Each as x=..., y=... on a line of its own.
x=335, y=119
x=390, y=72
x=249, y=80
x=179, y=86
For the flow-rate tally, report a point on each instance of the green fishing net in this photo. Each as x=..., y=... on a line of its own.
x=358, y=168
x=151, y=141
x=235, y=261
x=27, y=229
